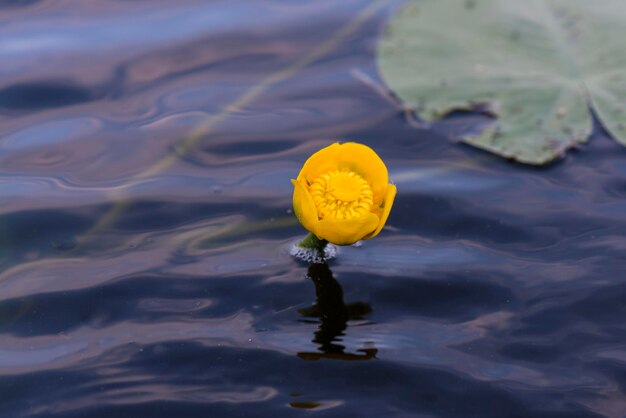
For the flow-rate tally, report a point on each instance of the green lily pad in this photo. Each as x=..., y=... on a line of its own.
x=534, y=63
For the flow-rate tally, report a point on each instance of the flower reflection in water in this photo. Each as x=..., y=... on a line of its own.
x=333, y=315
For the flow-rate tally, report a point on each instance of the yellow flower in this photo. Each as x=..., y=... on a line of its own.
x=343, y=194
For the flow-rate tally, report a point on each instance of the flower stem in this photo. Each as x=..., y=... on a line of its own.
x=311, y=241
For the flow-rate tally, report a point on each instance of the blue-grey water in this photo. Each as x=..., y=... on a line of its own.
x=146, y=149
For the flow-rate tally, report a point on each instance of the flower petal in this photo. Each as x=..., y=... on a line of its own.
x=387, y=204
x=304, y=207
x=347, y=231
x=365, y=162
x=321, y=162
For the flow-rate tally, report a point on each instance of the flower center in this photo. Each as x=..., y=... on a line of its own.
x=341, y=195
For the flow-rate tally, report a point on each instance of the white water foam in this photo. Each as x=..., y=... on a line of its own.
x=313, y=255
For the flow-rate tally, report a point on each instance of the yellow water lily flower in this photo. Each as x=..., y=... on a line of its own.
x=342, y=194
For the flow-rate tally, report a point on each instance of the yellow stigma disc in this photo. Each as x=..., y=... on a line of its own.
x=341, y=195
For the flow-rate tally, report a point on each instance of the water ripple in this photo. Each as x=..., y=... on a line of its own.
x=145, y=223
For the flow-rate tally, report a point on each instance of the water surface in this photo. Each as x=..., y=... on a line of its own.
x=146, y=149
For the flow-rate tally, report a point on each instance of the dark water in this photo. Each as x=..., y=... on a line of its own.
x=146, y=149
